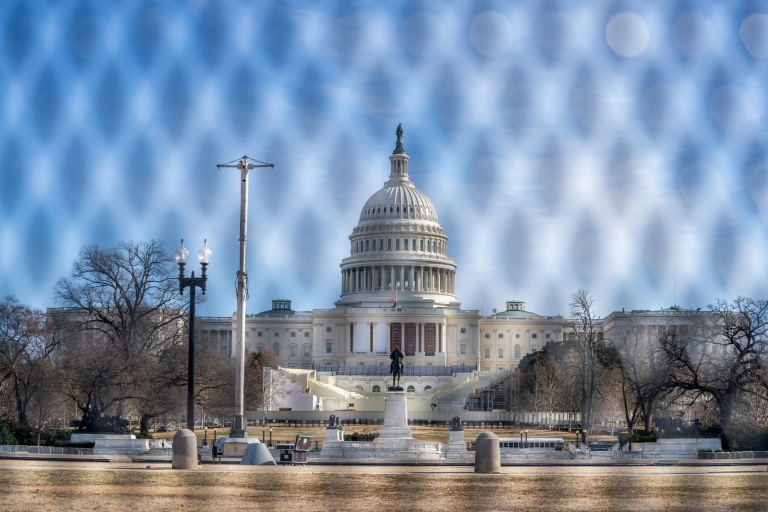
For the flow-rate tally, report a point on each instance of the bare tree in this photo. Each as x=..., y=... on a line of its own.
x=644, y=372
x=47, y=402
x=723, y=358
x=583, y=327
x=25, y=344
x=610, y=396
x=124, y=304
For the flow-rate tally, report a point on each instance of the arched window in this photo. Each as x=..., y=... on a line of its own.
x=389, y=244
x=359, y=387
x=517, y=351
x=411, y=389
x=367, y=245
x=413, y=245
x=381, y=244
x=376, y=389
x=397, y=244
x=405, y=244
x=427, y=388
x=421, y=245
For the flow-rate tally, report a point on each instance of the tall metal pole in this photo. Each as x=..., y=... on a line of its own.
x=191, y=362
x=239, y=426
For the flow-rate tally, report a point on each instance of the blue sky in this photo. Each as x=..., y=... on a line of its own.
x=614, y=146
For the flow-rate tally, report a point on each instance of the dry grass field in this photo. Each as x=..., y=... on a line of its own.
x=44, y=486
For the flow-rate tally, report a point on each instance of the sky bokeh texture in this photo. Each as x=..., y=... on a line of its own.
x=617, y=146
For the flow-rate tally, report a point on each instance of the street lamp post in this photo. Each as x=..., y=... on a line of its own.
x=204, y=255
x=270, y=437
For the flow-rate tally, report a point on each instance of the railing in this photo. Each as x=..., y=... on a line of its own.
x=383, y=370
x=732, y=455
x=44, y=450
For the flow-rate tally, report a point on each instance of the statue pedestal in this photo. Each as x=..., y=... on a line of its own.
x=395, y=418
x=332, y=443
x=457, y=447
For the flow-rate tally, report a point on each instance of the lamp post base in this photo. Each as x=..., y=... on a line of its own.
x=238, y=430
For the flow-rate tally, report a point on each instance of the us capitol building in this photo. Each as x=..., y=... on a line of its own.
x=397, y=290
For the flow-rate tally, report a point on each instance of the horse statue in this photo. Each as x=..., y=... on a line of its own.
x=396, y=366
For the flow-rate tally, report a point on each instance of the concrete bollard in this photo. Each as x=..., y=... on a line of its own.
x=487, y=453
x=184, y=450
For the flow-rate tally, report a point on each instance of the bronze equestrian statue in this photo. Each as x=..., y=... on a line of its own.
x=396, y=366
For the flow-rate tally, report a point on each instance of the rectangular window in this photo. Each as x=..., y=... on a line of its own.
x=293, y=335
x=329, y=329
x=259, y=334
x=306, y=351
x=430, y=339
x=405, y=244
x=463, y=349
x=501, y=336
x=533, y=336
x=487, y=353
x=546, y=336
x=389, y=244
x=293, y=351
x=328, y=347
x=487, y=335
x=501, y=353
x=306, y=334
x=463, y=330
x=381, y=244
x=395, y=336
x=397, y=244
x=410, y=340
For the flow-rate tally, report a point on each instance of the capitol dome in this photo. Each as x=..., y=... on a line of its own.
x=398, y=250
